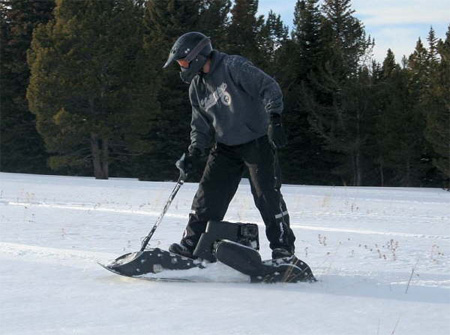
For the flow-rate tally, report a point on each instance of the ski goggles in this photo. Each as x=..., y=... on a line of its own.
x=183, y=63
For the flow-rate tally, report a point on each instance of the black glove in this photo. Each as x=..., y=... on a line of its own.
x=189, y=162
x=276, y=132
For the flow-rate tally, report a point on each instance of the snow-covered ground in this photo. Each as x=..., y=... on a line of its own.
x=382, y=257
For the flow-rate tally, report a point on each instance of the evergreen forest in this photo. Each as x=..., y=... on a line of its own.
x=83, y=91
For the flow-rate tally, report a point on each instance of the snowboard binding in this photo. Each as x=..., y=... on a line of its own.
x=249, y=262
x=243, y=233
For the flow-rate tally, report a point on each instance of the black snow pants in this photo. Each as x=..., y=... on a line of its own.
x=220, y=182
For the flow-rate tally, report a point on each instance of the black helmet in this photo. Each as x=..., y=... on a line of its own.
x=193, y=47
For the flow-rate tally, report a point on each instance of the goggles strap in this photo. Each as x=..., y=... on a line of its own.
x=194, y=52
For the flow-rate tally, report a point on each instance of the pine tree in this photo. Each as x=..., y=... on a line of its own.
x=336, y=113
x=214, y=21
x=433, y=46
x=271, y=39
x=427, y=105
x=165, y=21
x=88, y=89
x=307, y=36
x=389, y=64
x=401, y=151
x=244, y=29
x=305, y=161
x=415, y=151
x=418, y=67
x=395, y=151
x=438, y=115
x=388, y=87
x=21, y=147
x=345, y=36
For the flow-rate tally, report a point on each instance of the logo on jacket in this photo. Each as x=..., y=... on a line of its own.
x=220, y=94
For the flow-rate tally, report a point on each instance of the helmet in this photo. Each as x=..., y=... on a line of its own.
x=195, y=48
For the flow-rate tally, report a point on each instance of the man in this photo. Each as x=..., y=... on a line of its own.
x=237, y=108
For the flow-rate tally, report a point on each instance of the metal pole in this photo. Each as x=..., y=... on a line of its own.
x=166, y=208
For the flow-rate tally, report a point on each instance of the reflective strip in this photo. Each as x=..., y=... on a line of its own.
x=279, y=216
x=281, y=239
x=193, y=211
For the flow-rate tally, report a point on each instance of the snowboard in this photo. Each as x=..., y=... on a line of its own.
x=143, y=277
x=239, y=257
x=248, y=261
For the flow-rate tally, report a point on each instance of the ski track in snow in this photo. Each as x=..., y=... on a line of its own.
x=90, y=207
x=52, y=254
x=382, y=257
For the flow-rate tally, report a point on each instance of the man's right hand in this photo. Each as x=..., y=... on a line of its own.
x=189, y=162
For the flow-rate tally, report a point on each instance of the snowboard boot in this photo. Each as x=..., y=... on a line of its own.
x=282, y=257
x=248, y=261
x=281, y=253
x=181, y=250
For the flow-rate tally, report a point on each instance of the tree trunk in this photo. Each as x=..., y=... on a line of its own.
x=382, y=172
x=105, y=158
x=100, y=155
x=358, y=168
x=355, y=159
x=407, y=179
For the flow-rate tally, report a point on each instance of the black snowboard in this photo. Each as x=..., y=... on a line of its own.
x=150, y=278
x=248, y=261
x=244, y=259
x=150, y=261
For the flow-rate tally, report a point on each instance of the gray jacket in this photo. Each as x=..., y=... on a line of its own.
x=232, y=103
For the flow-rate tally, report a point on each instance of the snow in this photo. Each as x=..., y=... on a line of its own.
x=381, y=255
